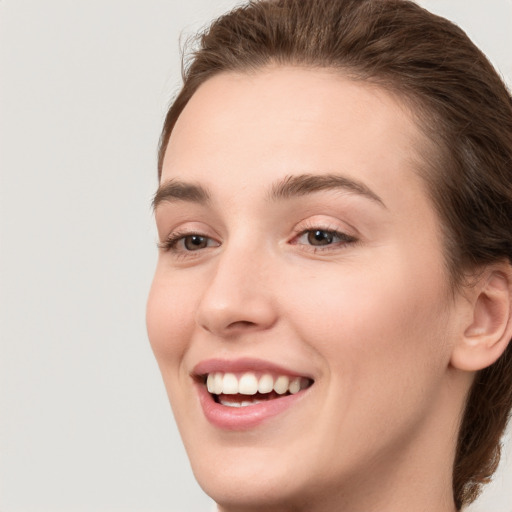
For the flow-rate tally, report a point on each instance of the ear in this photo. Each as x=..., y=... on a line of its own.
x=488, y=327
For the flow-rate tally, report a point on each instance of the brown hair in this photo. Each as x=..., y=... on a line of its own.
x=461, y=104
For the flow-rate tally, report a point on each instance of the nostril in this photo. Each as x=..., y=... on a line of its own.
x=241, y=324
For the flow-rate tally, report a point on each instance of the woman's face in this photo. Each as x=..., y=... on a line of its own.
x=299, y=250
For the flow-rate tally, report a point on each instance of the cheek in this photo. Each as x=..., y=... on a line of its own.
x=169, y=308
x=367, y=320
x=384, y=349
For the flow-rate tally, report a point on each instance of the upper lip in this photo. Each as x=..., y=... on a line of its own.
x=243, y=365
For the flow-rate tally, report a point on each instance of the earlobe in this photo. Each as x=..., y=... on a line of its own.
x=489, y=330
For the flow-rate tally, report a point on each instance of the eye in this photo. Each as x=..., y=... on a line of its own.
x=320, y=237
x=187, y=242
x=323, y=237
x=195, y=242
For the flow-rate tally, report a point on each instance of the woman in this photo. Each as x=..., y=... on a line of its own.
x=331, y=306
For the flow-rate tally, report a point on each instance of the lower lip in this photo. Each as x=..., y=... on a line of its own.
x=243, y=418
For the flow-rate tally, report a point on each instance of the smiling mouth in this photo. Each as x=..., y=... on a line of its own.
x=252, y=388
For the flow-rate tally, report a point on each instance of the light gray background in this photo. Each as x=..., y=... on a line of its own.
x=84, y=420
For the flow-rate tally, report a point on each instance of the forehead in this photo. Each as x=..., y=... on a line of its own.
x=249, y=129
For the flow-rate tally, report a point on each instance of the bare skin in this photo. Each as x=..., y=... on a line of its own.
x=343, y=282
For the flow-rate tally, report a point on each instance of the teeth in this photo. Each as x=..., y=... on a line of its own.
x=294, y=386
x=266, y=383
x=231, y=404
x=230, y=384
x=243, y=403
x=248, y=384
x=217, y=383
x=281, y=384
x=210, y=385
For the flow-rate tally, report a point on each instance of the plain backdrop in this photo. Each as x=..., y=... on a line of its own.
x=84, y=421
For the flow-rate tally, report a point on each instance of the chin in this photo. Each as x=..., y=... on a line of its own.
x=244, y=488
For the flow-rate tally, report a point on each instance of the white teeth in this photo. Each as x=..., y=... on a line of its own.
x=230, y=384
x=248, y=384
x=294, y=386
x=214, y=383
x=243, y=403
x=231, y=404
x=209, y=383
x=266, y=383
x=281, y=384
x=219, y=383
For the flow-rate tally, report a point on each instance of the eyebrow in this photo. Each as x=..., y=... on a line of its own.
x=287, y=188
x=304, y=184
x=175, y=190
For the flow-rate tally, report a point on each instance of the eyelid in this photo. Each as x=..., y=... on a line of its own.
x=177, y=234
x=347, y=236
x=325, y=224
x=174, y=238
x=343, y=241
x=344, y=237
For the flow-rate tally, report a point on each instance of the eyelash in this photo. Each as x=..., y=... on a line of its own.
x=344, y=239
x=172, y=241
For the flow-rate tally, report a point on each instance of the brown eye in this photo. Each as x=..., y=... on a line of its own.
x=320, y=237
x=195, y=242
x=183, y=243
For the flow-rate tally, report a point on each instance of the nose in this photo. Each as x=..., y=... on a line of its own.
x=238, y=297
